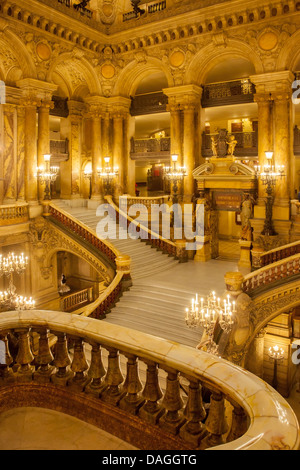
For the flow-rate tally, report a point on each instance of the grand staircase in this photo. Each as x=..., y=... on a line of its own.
x=148, y=306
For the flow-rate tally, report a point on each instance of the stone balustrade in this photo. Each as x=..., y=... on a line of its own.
x=282, y=270
x=11, y=214
x=128, y=201
x=122, y=264
x=75, y=299
x=84, y=232
x=279, y=253
x=155, y=394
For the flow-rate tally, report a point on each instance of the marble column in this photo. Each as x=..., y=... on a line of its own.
x=9, y=153
x=20, y=153
x=189, y=150
x=96, y=155
x=43, y=142
x=75, y=120
x=282, y=152
x=265, y=138
x=30, y=146
x=118, y=152
x=175, y=132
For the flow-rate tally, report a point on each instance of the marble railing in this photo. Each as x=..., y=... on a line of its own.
x=279, y=253
x=122, y=263
x=72, y=301
x=84, y=232
x=13, y=214
x=153, y=393
x=156, y=240
x=282, y=270
x=129, y=201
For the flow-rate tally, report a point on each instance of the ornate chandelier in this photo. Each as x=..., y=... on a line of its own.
x=175, y=174
x=46, y=175
x=208, y=313
x=107, y=174
x=269, y=175
x=9, y=300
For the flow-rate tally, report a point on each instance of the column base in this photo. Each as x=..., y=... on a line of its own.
x=245, y=254
x=93, y=203
x=34, y=209
x=203, y=253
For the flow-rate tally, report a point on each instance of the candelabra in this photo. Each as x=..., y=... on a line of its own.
x=107, y=174
x=276, y=354
x=88, y=173
x=175, y=175
x=269, y=175
x=46, y=175
x=208, y=313
x=9, y=300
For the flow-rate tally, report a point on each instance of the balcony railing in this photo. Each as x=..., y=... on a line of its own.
x=296, y=140
x=74, y=300
x=149, y=8
x=247, y=144
x=11, y=214
x=225, y=93
x=85, y=377
x=284, y=270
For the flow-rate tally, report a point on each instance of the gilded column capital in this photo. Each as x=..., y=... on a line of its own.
x=46, y=104
x=262, y=97
x=283, y=96
x=30, y=102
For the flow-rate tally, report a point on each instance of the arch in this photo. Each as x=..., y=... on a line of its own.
x=75, y=71
x=134, y=72
x=289, y=55
x=15, y=51
x=211, y=55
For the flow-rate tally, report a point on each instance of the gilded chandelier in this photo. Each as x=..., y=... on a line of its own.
x=9, y=300
x=208, y=313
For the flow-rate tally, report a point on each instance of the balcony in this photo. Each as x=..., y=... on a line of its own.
x=228, y=93
x=150, y=149
x=247, y=144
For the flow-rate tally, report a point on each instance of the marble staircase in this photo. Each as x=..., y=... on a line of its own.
x=148, y=306
x=145, y=260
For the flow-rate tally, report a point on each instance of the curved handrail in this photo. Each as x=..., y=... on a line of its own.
x=87, y=233
x=110, y=295
x=104, y=301
x=279, y=253
x=146, y=234
x=272, y=422
x=271, y=273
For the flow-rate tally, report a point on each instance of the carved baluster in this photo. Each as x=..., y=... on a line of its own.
x=172, y=402
x=62, y=361
x=216, y=424
x=239, y=424
x=113, y=379
x=7, y=374
x=44, y=358
x=96, y=372
x=132, y=386
x=193, y=430
x=79, y=366
x=151, y=411
x=24, y=357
